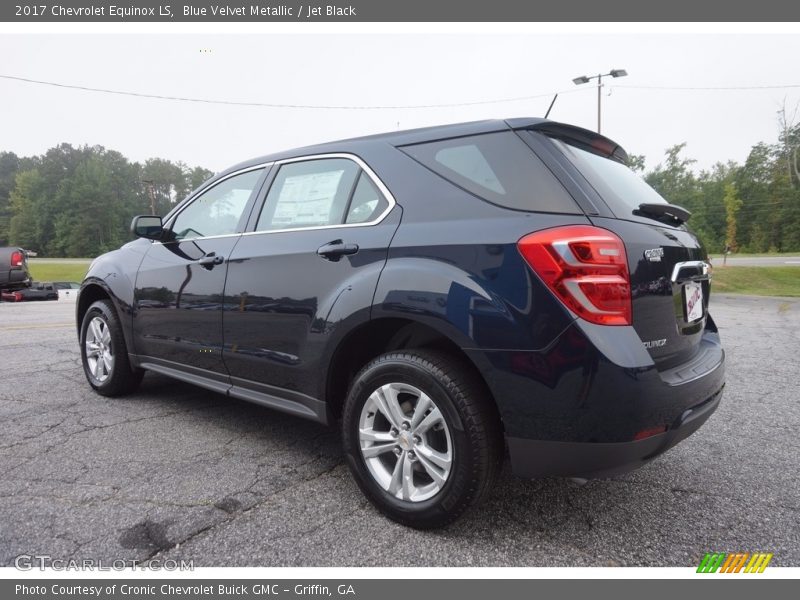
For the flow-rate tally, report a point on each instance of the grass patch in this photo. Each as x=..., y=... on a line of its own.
x=720, y=256
x=758, y=281
x=56, y=270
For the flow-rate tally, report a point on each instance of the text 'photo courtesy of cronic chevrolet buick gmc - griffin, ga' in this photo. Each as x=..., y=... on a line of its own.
x=446, y=296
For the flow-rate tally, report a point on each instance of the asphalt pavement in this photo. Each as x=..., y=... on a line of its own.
x=178, y=472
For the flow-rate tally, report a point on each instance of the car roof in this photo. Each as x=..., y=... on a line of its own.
x=358, y=145
x=393, y=138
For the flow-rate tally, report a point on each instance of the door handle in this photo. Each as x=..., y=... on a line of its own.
x=336, y=249
x=210, y=260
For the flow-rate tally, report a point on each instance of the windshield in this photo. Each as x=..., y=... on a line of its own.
x=620, y=188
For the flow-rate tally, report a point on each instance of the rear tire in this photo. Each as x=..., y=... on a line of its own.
x=421, y=437
x=103, y=352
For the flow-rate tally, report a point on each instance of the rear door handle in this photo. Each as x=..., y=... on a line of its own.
x=210, y=260
x=336, y=249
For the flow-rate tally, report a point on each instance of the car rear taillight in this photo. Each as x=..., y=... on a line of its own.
x=586, y=268
x=17, y=258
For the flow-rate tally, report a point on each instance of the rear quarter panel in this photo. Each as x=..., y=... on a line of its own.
x=454, y=265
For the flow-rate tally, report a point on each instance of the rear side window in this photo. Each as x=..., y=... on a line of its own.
x=497, y=167
x=367, y=202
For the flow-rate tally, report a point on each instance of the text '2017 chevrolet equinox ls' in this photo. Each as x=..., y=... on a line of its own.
x=439, y=292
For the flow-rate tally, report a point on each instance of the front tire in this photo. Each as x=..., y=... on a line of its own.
x=104, y=354
x=421, y=437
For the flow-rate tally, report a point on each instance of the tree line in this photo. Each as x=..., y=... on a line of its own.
x=749, y=207
x=79, y=201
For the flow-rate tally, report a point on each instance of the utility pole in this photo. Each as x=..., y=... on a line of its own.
x=152, y=194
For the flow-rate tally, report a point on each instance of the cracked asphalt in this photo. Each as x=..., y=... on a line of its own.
x=178, y=472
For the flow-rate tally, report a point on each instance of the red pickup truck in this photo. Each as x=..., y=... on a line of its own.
x=14, y=273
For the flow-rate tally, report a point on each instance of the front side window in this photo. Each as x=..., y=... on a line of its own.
x=311, y=193
x=218, y=210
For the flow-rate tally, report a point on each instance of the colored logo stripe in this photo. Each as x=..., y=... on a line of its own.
x=711, y=562
x=758, y=563
x=734, y=563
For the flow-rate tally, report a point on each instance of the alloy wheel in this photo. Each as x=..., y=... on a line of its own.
x=99, y=350
x=405, y=442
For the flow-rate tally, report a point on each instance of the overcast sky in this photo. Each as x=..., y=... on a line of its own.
x=401, y=69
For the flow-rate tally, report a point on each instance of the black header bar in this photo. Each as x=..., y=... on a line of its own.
x=398, y=589
x=152, y=11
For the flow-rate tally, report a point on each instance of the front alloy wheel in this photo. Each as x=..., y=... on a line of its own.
x=103, y=353
x=99, y=349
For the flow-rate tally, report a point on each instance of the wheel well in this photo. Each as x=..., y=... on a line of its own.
x=378, y=337
x=88, y=296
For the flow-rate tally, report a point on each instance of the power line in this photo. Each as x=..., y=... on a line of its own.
x=98, y=90
x=278, y=105
x=709, y=88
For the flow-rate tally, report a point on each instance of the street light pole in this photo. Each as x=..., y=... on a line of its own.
x=599, y=99
x=584, y=79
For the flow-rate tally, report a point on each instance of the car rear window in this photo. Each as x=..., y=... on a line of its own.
x=498, y=167
x=620, y=188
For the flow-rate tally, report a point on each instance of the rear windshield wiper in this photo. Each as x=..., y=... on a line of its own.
x=671, y=213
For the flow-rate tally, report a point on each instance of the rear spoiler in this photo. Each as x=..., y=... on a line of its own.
x=583, y=138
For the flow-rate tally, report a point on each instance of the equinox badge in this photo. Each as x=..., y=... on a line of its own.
x=655, y=343
x=654, y=254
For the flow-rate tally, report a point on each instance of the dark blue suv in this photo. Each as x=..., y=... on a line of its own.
x=442, y=293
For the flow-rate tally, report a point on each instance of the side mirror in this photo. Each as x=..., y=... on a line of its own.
x=147, y=226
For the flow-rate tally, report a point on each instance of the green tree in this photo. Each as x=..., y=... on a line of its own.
x=197, y=177
x=24, y=201
x=752, y=186
x=167, y=181
x=636, y=163
x=9, y=166
x=678, y=184
x=87, y=224
x=79, y=201
x=732, y=206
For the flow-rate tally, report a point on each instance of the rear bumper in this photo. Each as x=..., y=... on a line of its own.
x=17, y=279
x=537, y=458
x=593, y=403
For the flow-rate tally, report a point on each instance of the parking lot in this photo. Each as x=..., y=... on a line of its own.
x=175, y=471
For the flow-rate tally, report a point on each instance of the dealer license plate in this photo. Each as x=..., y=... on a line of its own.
x=693, y=297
